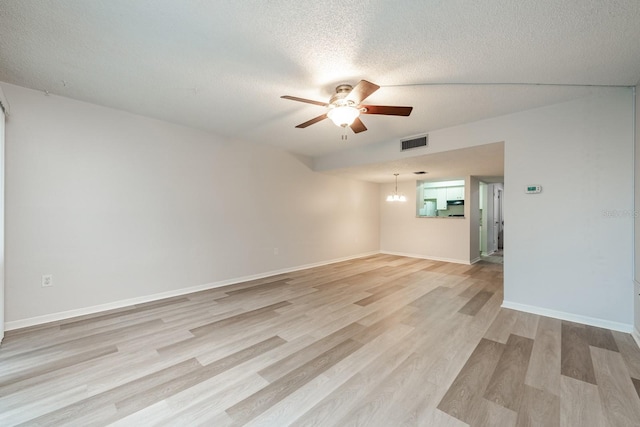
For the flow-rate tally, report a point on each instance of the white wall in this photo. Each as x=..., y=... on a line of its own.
x=568, y=249
x=117, y=206
x=2, y=303
x=402, y=233
x=472, y=202
x=636, y=298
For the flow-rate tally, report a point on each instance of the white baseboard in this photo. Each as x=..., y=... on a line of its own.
x=636, y=332
x=577, y=318
x=53, y=317
x=456, y=261
x=473, y=261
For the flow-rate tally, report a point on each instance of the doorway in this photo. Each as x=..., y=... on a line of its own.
x=499, y=222
x=491, y=222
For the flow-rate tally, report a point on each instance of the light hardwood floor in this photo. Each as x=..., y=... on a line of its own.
x=378, y=341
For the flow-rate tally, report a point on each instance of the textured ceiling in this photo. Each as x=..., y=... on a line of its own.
x=222, y=66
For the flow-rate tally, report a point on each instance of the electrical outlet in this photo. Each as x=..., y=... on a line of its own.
x=47, y=280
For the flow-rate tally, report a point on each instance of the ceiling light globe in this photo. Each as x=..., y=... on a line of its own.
x=402, y=198
x=344, y=115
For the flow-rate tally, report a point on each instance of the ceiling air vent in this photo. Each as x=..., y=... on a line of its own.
x=408, y=144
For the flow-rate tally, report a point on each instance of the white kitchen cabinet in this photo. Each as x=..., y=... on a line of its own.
x=430, y=193
x=455, y=193
x=441, y=199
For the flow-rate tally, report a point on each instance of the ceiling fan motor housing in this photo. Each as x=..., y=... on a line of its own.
x=342, y=91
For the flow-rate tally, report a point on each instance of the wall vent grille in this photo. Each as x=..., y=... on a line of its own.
x=409, y=144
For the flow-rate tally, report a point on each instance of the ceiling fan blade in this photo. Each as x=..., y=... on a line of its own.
x=357, y=126
x=387, y=110
x=312, y=121
x=361, y=91
x=308, y=101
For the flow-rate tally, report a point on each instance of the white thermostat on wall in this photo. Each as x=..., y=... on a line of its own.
x=532, y=189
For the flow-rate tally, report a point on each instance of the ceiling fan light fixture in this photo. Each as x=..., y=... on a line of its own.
x=343, y=115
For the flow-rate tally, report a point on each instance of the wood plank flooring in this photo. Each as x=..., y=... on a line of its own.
x=377, y=341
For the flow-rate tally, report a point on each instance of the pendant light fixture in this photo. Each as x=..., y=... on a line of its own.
x=395, y=197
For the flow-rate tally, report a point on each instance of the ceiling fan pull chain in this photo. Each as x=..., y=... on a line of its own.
x=344, y=133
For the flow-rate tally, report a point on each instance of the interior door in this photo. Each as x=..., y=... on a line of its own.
x=496, y=220
x=500, y=221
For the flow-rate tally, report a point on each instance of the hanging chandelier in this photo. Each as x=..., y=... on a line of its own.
x=395, y=197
